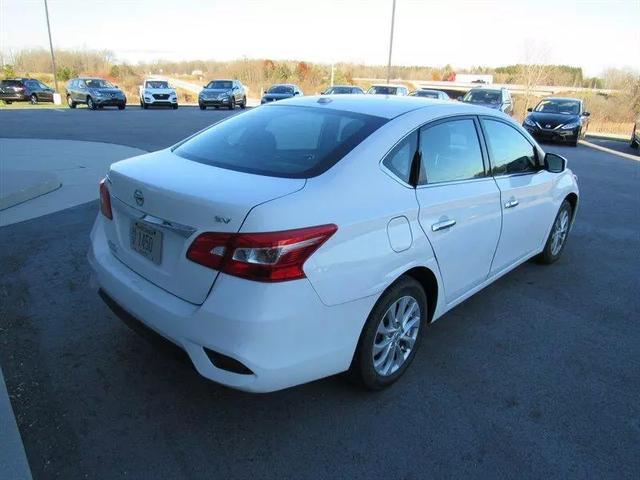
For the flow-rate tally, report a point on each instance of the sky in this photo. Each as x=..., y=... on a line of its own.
x=592, y=34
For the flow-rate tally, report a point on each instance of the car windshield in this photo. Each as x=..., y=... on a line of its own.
x=426, y=93
x=339, y=90
x=157, y=84
x=382, y=90
x=565, y=107
x=280, y=141
x=281, y=89
x=98, y=83
x=483, y=96
x=220, y=84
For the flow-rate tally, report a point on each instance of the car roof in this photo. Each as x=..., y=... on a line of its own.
x=345, y=86
x=562, y=98
x=385, y=106
x=387, y=85
x=284, y=85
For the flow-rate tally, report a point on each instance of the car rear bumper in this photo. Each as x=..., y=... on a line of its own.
x=281, y=332
x=14, y=97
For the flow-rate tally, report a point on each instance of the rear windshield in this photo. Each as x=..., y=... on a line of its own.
x=427, y=94
x=281, y=89
x=280, y=141
x=11, y=83
x=483, y=96
x=383, y=90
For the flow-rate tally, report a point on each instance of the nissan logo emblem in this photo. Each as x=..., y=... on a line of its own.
x=548, y=126
x=138, y=197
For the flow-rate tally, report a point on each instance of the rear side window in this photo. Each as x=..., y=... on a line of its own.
x=450, y=152
x=281, y=141
x=399, y=160
x=11, y=83
x=510, y=152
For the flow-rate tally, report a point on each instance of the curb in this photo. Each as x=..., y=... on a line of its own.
x=13, y=459
x=609, y=136
x=609, y=150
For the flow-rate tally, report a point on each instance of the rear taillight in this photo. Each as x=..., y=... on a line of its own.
x=105, y=199
x=264, y=257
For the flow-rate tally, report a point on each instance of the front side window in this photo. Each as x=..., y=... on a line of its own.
x=509, y=150
x=450, y=151
x=281, y=141
x=398, y=161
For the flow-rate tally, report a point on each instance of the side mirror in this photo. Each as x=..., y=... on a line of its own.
x=116, y=86
x=459, y=99
x=530, y=109
x=265, y=92
x=586, y=114
x=296, y=93
x=554, y=163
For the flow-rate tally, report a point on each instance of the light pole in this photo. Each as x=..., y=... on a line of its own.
x=53, y=58
x=393, y=17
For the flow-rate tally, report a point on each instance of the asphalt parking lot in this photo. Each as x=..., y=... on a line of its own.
x=537, y=376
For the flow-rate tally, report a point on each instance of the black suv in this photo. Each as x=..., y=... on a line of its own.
x=223, y=93
x=25, y=90
x=95, y=93
x=495, y=98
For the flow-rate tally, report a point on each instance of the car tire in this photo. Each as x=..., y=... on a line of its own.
x=634, y=142
x=558, y=235
x=33, y=99
x=232, y=103
x=7, y=102
x=175, y=107
x=243, y=105
x=91, y=104
x=380, y=358
x=70, y=102
x=202, y=107
x=122, y=106
x=144, y=105
x=216, y=107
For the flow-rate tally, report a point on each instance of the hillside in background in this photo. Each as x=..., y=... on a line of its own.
x=610, y=113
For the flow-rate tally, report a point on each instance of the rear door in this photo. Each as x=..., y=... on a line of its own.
x=525, y=192
x=459, y=203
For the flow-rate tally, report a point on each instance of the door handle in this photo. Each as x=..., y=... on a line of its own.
x=511, y=203
x=442, y=225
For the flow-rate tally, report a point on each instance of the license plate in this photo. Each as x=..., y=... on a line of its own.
x=146, y=241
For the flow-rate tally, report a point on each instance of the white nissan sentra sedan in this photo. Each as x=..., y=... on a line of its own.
x=323, y=234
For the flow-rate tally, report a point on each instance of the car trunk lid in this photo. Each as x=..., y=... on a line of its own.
x=161, y=202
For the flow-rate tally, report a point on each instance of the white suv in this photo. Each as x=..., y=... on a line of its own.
x=322, y=234
x=158, y=93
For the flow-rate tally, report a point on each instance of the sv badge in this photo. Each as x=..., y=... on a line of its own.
x=220, y=219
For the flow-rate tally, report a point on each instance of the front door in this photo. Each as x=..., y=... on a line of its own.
x=525, y=193
x=459, y=203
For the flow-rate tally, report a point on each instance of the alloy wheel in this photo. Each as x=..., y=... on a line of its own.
x=560, y=230
x=396, y=335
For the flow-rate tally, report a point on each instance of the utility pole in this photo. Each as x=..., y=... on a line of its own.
x=393, y=17
x=53, y=58
x=332, y=74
